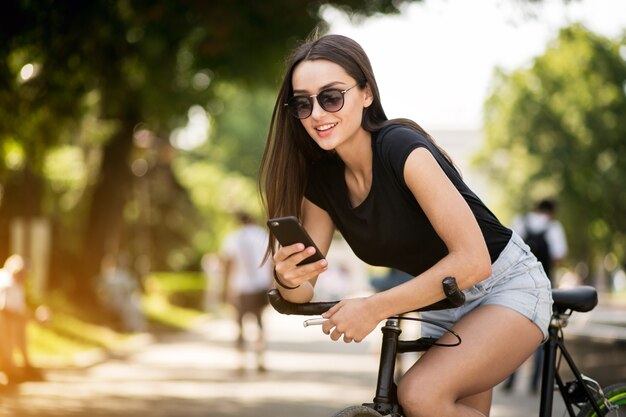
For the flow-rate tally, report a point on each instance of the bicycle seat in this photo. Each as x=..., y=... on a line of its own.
x=582, y=299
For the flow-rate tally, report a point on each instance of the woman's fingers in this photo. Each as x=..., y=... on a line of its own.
x=295, y=253
x=337, y=334
x=286, y=251
x=332, y=310
x=330, y=328
x=346, y=319
x=286, y=261
x=327, y=326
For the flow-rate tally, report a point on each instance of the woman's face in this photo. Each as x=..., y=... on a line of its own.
x=330, y=130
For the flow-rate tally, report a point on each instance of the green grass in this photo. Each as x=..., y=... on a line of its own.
x=71, y=332
x=162, y=287
x=158, y=310
x=65, y=337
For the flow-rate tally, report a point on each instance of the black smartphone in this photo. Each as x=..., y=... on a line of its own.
x=289, y=231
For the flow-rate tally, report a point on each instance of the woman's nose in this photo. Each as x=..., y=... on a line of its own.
x=317, y=111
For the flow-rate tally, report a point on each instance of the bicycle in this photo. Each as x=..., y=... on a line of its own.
x=582, y=396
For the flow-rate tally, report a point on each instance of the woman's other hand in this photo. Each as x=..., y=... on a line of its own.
x=353, y=319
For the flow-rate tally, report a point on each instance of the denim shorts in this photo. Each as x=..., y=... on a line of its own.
x=517, y=281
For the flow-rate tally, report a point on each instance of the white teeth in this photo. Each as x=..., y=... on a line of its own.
x=326, y=127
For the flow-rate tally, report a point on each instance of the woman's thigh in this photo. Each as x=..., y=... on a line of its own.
x=496, y=340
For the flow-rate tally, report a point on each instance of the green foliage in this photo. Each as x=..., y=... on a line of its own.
x=242, y=123
x=557, y=128
x=90, y=92
x=216, y=193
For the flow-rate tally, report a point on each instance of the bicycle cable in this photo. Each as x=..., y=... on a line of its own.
x=434, y=323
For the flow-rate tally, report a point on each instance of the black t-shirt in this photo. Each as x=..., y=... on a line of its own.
x=389, y=227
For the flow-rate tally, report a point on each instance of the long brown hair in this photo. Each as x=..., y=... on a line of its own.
x=289, y=151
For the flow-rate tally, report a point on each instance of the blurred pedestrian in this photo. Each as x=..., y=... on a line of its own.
x=545, y=237
x=213, y=275
x=122, y=293
x=13, y=320
x=246, y=280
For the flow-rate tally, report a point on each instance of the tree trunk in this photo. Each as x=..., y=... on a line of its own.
x=21, y=197
x=105, y=223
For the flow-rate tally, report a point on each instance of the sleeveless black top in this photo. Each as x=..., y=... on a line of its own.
x=389, y=227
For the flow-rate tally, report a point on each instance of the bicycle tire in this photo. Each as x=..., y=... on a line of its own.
x=616, y=394
x=358, y=411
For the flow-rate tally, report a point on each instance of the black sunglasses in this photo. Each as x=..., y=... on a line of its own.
x=331, y=100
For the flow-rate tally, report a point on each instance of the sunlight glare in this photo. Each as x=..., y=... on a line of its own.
x=195, y=133
x=28, y=71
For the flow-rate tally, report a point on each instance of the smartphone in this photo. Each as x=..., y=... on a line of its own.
x=289, y=231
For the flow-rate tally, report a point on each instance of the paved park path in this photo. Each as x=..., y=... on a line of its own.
x=196, y=374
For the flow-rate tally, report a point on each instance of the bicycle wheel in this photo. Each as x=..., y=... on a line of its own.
x=358, y=411
x=616, y=395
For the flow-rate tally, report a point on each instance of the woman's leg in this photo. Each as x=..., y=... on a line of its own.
x=457, y=381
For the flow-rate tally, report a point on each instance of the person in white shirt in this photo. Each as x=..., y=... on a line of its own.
x=13, y=320
x=247, y=279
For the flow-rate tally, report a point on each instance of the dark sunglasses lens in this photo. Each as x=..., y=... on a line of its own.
x=300, y=107
x=331, y=100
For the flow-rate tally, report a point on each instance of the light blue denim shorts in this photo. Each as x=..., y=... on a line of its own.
x=517, y=281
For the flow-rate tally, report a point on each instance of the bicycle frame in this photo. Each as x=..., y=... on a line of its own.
x=386, y=399
x=572, y=393
x=576, y=392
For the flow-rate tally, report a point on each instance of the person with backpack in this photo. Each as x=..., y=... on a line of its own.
x=545, y=237
x=544, y=234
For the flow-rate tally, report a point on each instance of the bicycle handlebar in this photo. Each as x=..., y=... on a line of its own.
x=454, y=298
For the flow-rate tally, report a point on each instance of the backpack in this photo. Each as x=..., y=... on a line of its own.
x=538, y=246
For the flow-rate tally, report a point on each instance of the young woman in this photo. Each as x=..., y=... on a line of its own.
x=334, y=159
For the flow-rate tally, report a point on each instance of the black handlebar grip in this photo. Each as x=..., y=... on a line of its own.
x=452, y=292
x=454, y=297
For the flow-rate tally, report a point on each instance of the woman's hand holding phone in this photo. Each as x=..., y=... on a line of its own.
x=298, y=260
x=289, y=267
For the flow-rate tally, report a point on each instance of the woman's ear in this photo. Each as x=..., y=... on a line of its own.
x=369, y=97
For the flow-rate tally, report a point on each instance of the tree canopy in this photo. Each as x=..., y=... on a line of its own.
x=557, y=129
x=90, y=92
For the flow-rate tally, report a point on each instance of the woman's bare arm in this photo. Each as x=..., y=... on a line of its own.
x=468, y=257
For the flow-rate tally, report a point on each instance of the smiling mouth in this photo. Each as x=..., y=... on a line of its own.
x=324, y=128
